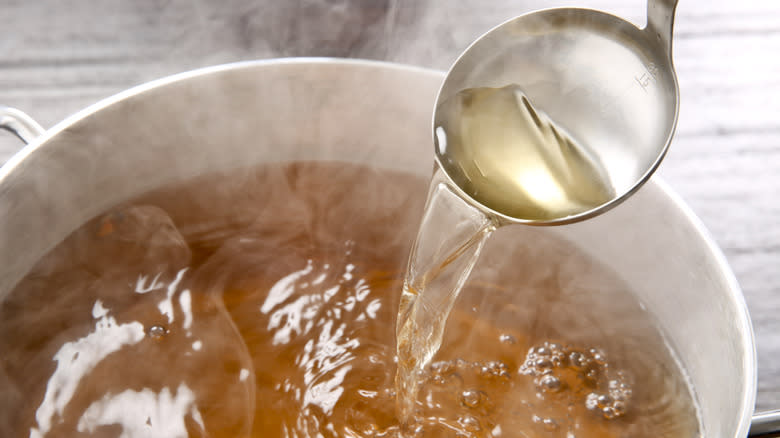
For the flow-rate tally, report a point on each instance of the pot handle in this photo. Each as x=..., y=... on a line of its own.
x=765, y=424
x=20, y=124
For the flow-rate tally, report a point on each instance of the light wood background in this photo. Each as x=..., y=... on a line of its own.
x=58, y=56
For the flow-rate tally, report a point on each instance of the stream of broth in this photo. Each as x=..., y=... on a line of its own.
x=513, y=159
x=263, y=303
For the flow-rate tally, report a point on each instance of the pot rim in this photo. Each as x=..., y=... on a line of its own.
x=734, y=290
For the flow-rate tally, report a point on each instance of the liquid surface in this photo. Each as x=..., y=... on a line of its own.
x=513, y=159
x=263, y=303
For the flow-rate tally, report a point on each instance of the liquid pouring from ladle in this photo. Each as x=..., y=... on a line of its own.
x=597, y=90
x=550, y=118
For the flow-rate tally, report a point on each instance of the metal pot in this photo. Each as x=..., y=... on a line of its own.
x=365, y=112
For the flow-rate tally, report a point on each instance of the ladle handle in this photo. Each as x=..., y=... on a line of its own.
x=765, y=425
x=20, y=124
x=660, y=22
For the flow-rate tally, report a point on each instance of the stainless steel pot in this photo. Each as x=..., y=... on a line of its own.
x=365, y=112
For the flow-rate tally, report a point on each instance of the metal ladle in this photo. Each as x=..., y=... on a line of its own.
x=611, y=85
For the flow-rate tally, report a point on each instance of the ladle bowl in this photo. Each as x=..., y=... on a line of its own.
x=610, y=84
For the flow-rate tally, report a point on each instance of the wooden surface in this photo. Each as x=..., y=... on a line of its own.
x=57, y=57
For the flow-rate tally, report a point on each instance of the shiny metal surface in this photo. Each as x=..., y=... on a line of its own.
x=20, y=124
x=611, y=85
x=765, y=424
x=318, y=109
